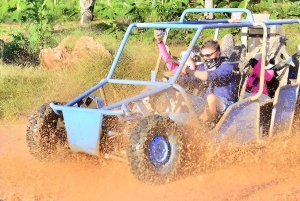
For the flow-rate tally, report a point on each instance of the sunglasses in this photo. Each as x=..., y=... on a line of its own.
x=207, y=55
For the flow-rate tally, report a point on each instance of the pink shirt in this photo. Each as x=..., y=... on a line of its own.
x=255, y=74
x=166, y=56
x=172, y=66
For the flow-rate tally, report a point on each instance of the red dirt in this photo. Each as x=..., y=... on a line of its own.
x=272, y=173
x=51, y=57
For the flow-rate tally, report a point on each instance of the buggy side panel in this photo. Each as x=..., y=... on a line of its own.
x=241, y=124
x=83, y=128
x=283, y=109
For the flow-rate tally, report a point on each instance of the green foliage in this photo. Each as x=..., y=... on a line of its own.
x=110, y=15
x=282, y=10
x=138, y=13
x=243, y=4
x=10, y=11
x=116, y=15
x=39, y=19
x=222, y=4
x=201, y=2
x=64, y=10
x=17, y=51
x=168, y=10
x=287, y=10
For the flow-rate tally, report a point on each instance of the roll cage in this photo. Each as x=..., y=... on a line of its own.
x=243, y=108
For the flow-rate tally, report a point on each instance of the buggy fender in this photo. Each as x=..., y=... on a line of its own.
x=283, y=109
x=83, y=126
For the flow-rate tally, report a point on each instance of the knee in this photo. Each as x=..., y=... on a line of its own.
x=211, y=99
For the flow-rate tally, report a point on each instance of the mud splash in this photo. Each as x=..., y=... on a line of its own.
x=219, y=172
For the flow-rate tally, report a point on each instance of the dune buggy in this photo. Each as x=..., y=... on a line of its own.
x=156, y=138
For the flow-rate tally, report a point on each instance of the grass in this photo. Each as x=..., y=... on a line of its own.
x=293, y=37
x=23, y=90
x=20, y=89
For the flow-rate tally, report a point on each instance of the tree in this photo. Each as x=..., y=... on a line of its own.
x=209, y=4
x=87, y=10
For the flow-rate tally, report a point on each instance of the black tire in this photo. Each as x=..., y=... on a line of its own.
x=46, y=136
x=109, y=123
x=296, y=121
x=142, y=152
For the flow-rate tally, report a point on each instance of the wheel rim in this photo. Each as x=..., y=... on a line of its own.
x=159, y=151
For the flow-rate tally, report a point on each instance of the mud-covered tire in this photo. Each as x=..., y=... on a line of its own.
x=155, y=150
x=46, y=136
x=296, y=121
x=107, y=142
x=160, y=101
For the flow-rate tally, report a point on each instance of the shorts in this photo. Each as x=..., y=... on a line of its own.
x=198, y=104
x=226, y=103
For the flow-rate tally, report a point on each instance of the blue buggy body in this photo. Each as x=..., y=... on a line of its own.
x=241, y=121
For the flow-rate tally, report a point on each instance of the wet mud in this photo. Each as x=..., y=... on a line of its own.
x=213, y=172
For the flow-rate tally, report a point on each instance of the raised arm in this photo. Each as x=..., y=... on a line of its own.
x=166, y=56
x=164, y=52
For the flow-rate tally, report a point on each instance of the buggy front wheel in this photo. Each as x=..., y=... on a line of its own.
x=155, y=150
x=46, y=136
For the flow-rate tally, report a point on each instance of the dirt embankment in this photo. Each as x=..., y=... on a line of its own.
x=269, y=173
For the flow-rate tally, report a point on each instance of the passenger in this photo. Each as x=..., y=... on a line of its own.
x=252, y=86
x=221, y=77
x=172, y=66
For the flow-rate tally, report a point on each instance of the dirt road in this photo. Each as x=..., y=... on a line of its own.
x=271, y=173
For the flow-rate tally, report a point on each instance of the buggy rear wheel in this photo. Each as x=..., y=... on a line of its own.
x=155, y=150
x=46, y=136
x=296, y=121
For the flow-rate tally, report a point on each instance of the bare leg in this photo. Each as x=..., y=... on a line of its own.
x=214, y=104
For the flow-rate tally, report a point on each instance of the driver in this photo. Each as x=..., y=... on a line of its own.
x=222, y=78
